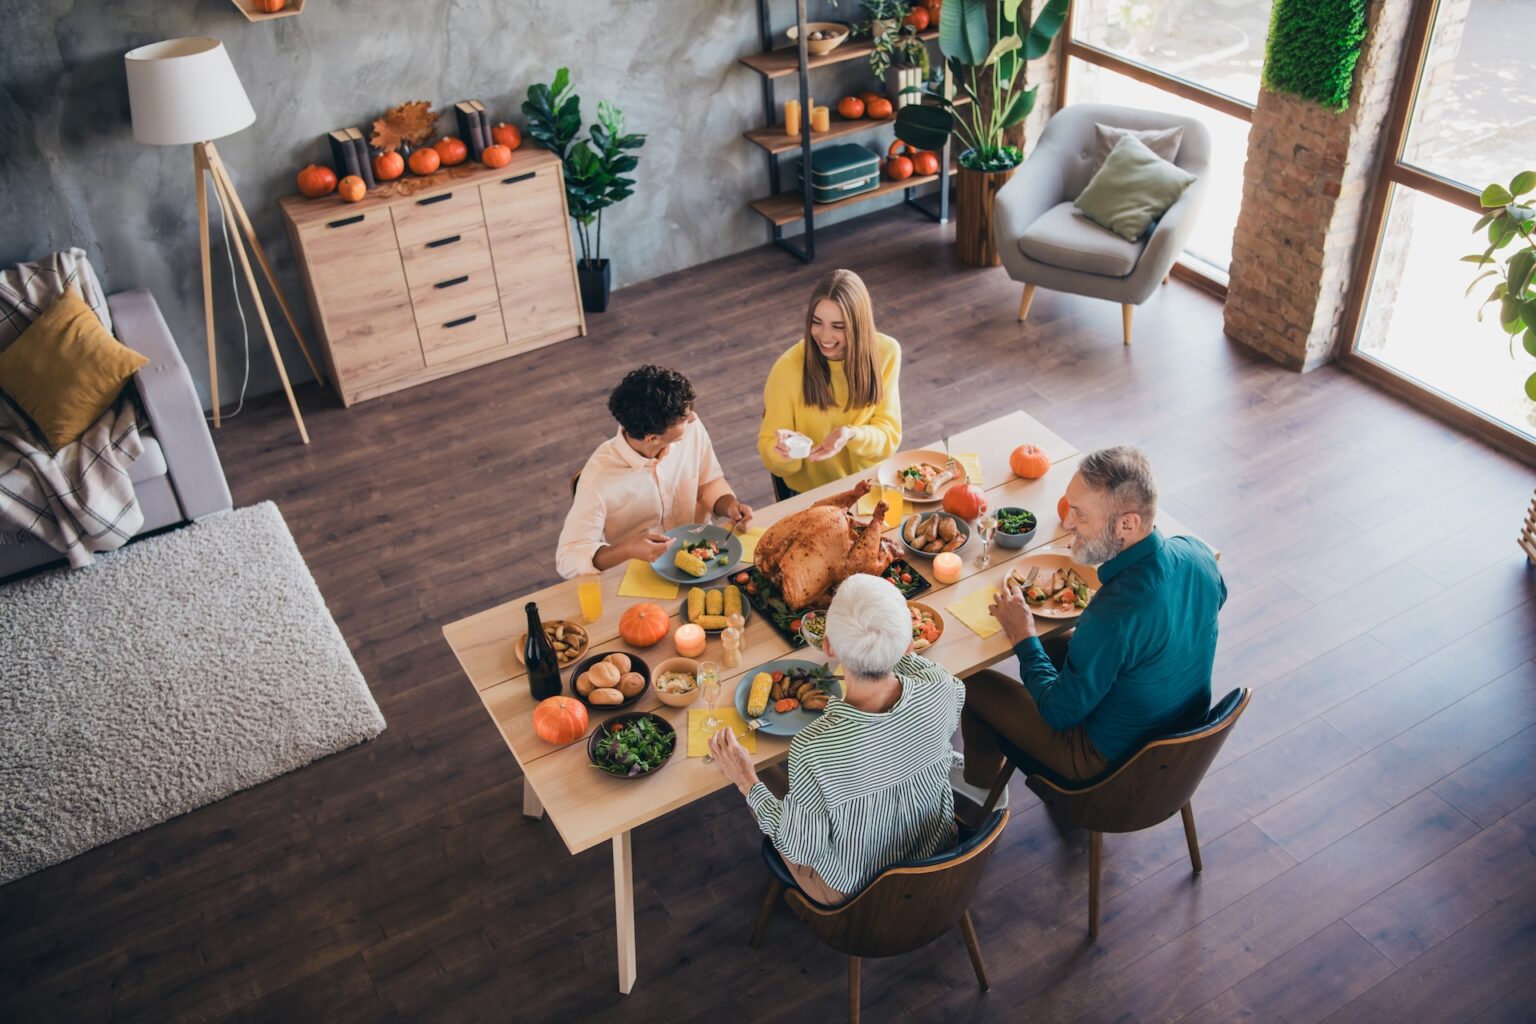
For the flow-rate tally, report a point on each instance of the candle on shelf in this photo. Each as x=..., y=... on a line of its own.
x=689, y=640
x=791, y=117
x=821, y=119
x=946, y=567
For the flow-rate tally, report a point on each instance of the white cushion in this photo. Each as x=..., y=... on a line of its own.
x=1065, y=238
x=1164, y=142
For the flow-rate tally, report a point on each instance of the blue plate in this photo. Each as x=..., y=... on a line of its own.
x=775, y=723
x=667, y=568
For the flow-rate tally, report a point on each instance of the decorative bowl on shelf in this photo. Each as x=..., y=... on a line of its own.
x=816, y=42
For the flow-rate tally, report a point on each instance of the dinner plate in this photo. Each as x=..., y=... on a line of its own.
x=1049, y=564
x=777, y=723
x=667, y=568
x=891, y=469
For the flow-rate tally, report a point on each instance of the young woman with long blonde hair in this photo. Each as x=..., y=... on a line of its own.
x=838, y=386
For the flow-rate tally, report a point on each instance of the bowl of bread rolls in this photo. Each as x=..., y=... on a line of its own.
x=612, y=680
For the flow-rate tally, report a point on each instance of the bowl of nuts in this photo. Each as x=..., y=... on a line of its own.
x=567, y=638
x=821, y=37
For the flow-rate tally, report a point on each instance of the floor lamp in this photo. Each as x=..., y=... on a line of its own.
x=186, y=92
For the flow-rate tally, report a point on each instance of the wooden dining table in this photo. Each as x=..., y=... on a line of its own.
x=588, y=807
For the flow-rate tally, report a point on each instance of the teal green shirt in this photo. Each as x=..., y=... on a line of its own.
x=1140, y=661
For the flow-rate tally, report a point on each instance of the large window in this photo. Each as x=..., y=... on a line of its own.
x=1197, y=58
x=1463, y=119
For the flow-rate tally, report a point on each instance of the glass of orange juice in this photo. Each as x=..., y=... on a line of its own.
x=590, y=594
x=894, y=505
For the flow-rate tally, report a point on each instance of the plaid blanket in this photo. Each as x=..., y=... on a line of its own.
x=78, y=500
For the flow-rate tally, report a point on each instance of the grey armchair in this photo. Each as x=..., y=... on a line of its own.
x=1045, y=243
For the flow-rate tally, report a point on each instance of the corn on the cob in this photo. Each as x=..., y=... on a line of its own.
x=714, y=603
x=712, y=621
x=691, y=563
x=757, y=700
x=695, y=604
x=732, y=600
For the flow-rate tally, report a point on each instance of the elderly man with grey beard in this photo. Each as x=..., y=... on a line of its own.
x=1138, y=663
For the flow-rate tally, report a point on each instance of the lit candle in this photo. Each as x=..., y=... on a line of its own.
x=821, y=119
x=689, y=640
x=791, y=117
x=946, y=567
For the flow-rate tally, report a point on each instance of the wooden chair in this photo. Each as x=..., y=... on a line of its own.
x=907, y=906
x=1158, y=781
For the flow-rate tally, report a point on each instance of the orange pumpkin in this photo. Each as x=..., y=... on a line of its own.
x=388, y=166
x=869, y=97
x=496, y=156
x=879, y=108
x=644, y=624
x=1062, y=508
x=898, y=168
x=269, y=6
x=560, y=720
x=851, y=107
x=965, y=500
x=352, y=188
x=452, y=150
x=924, y=162
x=918, y=19
x=316, y=181
x=503, y=134
x=425, y=160
x=1029, y=462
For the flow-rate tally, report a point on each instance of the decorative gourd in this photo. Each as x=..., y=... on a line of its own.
x=316, y=181
x=851, y=107
x=269, y=6
x=452, y=150
x=644, y=624
x=352, y=188
x=496, y=156
x=560, y=720
x=425, y=160
x=965, y=500
x=388, y=166
x=1029, y=462
x=503, y=134
x=1062, y=508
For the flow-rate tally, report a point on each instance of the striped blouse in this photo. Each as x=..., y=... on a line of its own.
x=867, y=790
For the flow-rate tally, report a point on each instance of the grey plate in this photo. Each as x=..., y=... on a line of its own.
x=776, y=724
x=666, y=568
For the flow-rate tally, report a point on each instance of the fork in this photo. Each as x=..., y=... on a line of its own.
x=949, y=460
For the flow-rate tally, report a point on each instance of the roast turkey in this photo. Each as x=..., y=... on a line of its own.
x=808, y=553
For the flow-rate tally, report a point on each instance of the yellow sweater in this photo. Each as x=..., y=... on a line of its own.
x=877, y=428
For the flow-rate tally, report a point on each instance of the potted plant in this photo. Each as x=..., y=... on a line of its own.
x=900, y=60
x=986, y=56
x=884, y=15
x=1508, y=220
x=594, y=169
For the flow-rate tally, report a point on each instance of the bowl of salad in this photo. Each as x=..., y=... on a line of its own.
x=1015, y=526
x=633, y=745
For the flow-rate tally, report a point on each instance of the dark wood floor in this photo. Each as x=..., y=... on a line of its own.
x=1369, y=832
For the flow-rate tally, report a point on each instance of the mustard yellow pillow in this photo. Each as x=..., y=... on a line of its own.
x=66, y=369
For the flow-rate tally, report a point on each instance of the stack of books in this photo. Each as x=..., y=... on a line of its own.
x=350, y=155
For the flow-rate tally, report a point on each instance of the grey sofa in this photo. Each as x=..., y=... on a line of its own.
x=1044, y=244
x=179, y=477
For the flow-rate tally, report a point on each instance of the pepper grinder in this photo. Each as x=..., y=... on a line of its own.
x=730, y=640
x=986, y=527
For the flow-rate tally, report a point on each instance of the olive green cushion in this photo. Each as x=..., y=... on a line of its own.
x=1133, y=188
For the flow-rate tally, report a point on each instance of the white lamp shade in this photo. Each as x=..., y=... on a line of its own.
x=183, y=91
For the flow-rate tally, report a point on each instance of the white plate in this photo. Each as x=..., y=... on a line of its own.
x=1049, y=564
x=891, y=469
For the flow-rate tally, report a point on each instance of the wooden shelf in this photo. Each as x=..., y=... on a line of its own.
x=786, y=60
x=775, y=141
x=248, y=9
x=789, y=207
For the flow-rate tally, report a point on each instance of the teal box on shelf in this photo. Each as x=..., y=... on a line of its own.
x=841, y=172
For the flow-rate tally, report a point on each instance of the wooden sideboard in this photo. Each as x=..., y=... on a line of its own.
x=429, y=276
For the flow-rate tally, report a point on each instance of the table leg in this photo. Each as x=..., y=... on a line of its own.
x=532, y=808
x=624, y=909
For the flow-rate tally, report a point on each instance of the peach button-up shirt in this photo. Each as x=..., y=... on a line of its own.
x=622, y=494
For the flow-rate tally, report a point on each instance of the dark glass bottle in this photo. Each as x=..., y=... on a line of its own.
x=539, y=654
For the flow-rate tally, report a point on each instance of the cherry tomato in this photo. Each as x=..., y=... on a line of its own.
x=742, y=577
x=906, y=577
x=777, y=677
x=795, y=625
x=751, y=588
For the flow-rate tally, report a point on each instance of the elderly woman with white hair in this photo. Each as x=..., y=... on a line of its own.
x=869, y=779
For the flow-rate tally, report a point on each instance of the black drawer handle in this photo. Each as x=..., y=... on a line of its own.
x=461, y=321
x=443, y=241
x=435, y=199
x=520, y=177
x=450, y=284
x=345, y=221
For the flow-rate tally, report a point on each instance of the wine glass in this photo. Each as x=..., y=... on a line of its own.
x=986, y=528
x=709, y=688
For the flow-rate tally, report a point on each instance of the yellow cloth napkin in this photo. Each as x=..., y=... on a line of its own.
x=972, y=610
x=748, y=540
x=972, y=463
x=640, y=580
x=698, y=736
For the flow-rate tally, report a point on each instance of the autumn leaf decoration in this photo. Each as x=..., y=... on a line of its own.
x=411, y=122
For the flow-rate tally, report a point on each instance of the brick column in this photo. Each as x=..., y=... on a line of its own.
x=1305, y=191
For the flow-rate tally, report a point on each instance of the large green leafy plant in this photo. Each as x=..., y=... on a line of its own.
x=1507, y=222
x=595, y=167
x=985, y=45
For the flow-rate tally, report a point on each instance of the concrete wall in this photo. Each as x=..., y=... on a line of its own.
x=71, y=173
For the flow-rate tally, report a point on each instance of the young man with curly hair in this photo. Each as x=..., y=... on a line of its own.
x=657, y=472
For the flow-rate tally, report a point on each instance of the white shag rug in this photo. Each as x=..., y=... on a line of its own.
x=172, y=673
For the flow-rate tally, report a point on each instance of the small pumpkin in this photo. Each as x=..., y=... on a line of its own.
x=965, y=500
x=1062, y=508
x=388, y=166
x=1029, y=461
x=316, y=181
x=425, y=160
x=496, y=156
x=269, y=6
x=918, y=18
x=850, y=107
x=924, y=162
x=898, y=168
x=503, y=134
x=352, y=188
x=560, y=720
x=879, y=108
x=644, y=624
x=869, y=97
x=452, y=150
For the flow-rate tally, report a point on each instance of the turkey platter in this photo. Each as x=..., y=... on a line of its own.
x=807, y=554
